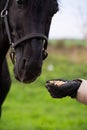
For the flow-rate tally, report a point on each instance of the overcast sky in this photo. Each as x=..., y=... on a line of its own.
x=65, y=22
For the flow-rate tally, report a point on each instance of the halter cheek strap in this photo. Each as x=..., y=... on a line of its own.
x=4, y=17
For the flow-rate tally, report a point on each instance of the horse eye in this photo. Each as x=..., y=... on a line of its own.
x=20, y=2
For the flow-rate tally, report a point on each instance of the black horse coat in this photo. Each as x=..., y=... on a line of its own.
x=5, y=80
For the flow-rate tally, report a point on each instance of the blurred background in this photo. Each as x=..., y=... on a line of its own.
x=68, y=32
x=29, y=106
x=71, y=20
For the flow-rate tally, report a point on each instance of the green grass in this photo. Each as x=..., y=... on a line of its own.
x=68, y=42
x=30, y=107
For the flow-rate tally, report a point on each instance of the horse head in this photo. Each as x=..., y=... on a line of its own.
x=29, y=22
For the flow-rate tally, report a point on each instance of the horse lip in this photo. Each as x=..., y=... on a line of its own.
x=31, y=79
x=24, y=80
x=27, y=80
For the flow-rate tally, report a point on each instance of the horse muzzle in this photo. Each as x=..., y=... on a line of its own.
x=27, y=71
x=29, y=57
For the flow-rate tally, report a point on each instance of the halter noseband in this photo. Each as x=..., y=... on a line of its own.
x=4, y=17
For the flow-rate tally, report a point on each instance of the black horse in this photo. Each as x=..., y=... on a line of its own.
x=24, y=27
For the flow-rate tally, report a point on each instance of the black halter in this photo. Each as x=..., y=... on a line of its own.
x=4, y=17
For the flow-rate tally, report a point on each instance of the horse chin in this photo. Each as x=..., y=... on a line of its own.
x=26, y=79
x=29, y=74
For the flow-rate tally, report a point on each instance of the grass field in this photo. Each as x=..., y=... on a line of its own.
x=30, y=107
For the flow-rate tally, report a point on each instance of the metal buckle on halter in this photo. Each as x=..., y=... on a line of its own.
x=44, y=54
x=12, y=53
x=4, y=13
